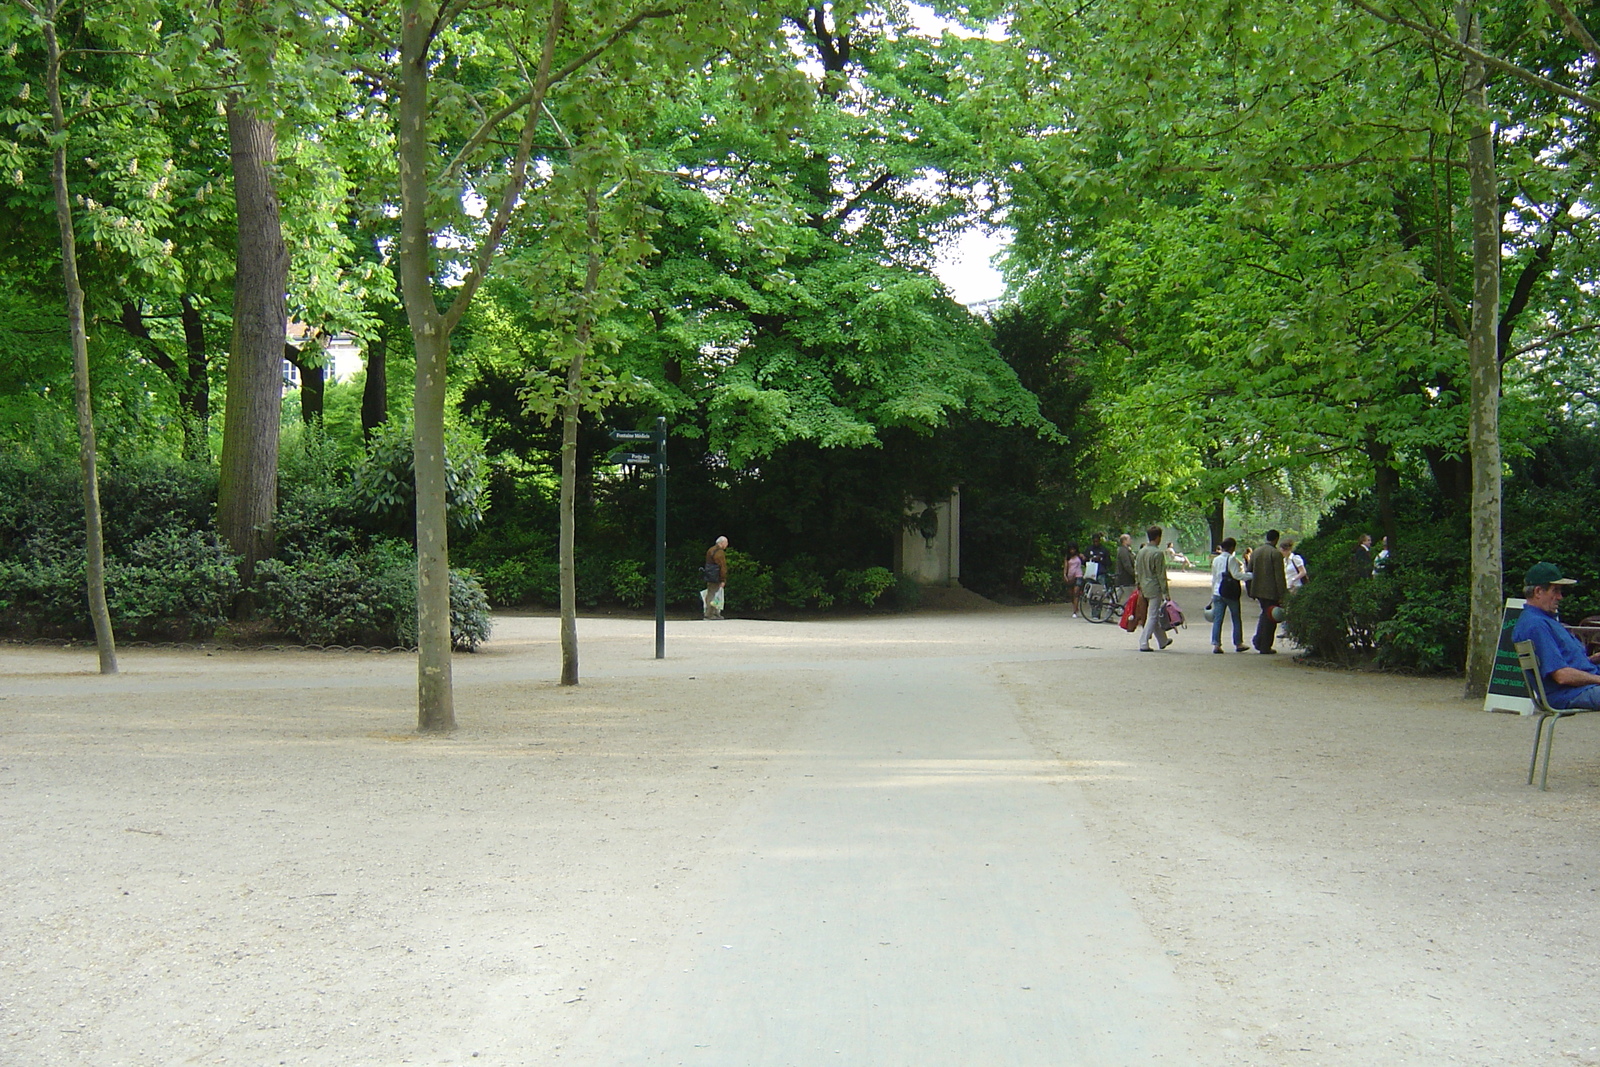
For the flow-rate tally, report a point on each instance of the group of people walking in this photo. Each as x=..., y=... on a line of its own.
x=1268, y=575
x=1272, y=573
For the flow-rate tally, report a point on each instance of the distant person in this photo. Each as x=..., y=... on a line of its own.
x=1150, y=566
x=1126, y=578
x=1294, y=573
x=716, y=577
x=1177, y=557
x=1381, y=560
x=1100, y=556
x=1361, y=557
x=1072, y=575
x=1227, y=592
x=1294, y=566
x=1570, y=680
x=1267, y=588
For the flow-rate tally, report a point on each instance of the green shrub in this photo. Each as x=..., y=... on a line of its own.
x=384, y=485
x=866, y=586
x=1044, y=585
x=364, y=598
x=800, y=584
x=173, y=583
x=352, y=598
x=522, y=581
x=630, y=584
x=750, y=583
x=45, y=597
x=907, y=593
x=1425, y=630
x=469, y=611
x=170, y=585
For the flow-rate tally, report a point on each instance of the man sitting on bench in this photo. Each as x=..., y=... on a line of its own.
x=1570, y=680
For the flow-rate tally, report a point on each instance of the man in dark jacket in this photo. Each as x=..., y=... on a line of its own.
x=1126, y=579
x=1268, y=586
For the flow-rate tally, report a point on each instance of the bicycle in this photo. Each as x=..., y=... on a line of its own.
x=1102, y=602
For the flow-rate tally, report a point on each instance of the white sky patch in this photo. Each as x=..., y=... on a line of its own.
x=966, y=266
x=932, y=24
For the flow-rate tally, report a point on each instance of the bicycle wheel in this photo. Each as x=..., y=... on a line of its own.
x=1098, y=603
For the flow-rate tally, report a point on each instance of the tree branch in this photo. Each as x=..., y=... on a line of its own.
x=1466, y=51
x=519, y=171
x=535, y=97
x=1577, y=29
x=1544, y=342
x=856, y=201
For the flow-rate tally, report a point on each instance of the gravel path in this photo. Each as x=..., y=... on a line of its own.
x=977, y=837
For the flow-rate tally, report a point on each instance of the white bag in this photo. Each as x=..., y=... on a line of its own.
x=1091, y=569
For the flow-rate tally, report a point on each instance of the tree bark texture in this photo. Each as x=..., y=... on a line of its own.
x=569, y=451
x=194, y=388
x=435, y=695
x=567, y=548
x=1483, y=420
x=313, y=382
x=248, y=480
x=99, y=614
x=375, y=393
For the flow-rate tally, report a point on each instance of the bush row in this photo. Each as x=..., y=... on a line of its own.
x=339, y=577
x=532, y=575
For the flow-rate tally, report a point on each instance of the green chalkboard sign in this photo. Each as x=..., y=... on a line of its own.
x=1508, y=690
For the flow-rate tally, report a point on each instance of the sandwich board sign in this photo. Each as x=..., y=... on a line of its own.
x=1508, y=691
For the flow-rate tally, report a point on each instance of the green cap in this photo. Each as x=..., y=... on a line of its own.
x=1546, y=574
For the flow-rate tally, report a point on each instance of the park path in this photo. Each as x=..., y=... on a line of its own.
x=913, y=886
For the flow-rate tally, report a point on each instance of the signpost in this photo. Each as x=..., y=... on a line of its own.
x=658, y=459
x=1508, y=691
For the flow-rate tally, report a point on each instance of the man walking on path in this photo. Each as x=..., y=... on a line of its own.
x=716, y=576
x=1150, y=567
x=1268, y=584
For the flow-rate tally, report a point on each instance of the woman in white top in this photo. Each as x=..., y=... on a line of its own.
x=1294, y=566
x=1227, y=588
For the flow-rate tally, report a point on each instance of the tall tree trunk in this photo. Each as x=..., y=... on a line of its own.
x=567, y=548
x=435, y=693
x=194, y=388
x=99, y=614
x=375, y=394
x=1385, y=480
x=569, y=451
x=1483, y=426
x=248, y=482
x=313, y=382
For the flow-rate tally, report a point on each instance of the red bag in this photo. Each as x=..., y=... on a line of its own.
x=1130, y=612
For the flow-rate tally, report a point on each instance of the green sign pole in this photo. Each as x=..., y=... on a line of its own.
x=661, y=538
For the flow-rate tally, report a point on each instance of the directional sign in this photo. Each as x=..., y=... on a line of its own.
x=635, y=457
x=633, y=435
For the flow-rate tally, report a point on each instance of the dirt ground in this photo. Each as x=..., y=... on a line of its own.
x=251, y=858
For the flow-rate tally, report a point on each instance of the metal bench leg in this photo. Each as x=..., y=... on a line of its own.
x=1549, y=738
x=1538, y=731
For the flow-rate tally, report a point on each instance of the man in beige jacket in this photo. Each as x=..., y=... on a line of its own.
x=1150, y=567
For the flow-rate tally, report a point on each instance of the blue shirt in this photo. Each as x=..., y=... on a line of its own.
x=1556, y=648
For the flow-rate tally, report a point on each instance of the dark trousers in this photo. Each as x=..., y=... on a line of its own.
x=1266, y=629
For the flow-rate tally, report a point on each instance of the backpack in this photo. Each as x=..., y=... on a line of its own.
x=1229, y=588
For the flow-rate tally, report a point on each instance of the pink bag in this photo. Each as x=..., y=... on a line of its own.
x=1174, y=614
